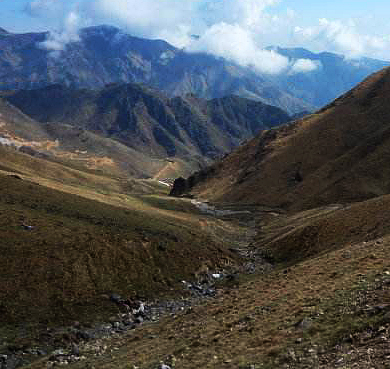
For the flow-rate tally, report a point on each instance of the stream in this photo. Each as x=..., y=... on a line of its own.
x=83, y=342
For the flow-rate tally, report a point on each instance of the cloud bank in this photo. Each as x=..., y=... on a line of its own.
x=345, y=38
x=238, y=30
x=234, y=43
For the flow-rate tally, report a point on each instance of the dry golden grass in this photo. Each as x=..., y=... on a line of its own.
x=288, y=239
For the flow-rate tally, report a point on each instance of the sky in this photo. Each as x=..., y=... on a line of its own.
x=235, y=29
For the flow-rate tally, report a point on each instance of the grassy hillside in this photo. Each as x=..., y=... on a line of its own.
x=79, y=249
x=69, y=238
x=339, y=154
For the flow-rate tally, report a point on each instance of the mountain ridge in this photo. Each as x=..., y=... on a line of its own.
x=335, y=155
x=105, y=54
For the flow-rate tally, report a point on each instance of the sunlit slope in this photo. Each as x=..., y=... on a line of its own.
x=339, y=154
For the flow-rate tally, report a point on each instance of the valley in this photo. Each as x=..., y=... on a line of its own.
x=165, y=209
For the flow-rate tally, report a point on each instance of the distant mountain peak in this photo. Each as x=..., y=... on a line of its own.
x=101, y=28
x=3, y=31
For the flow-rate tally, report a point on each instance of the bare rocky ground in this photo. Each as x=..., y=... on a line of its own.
x=330, y=311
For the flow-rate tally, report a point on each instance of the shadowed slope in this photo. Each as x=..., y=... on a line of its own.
x=147, y=121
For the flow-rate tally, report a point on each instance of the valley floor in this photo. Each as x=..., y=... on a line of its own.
x=328, y=311
x=303, y=290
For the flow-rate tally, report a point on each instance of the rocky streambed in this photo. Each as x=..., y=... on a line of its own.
x=75, y=343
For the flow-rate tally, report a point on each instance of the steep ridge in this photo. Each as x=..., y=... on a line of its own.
x=145, y=120
x=338, y=154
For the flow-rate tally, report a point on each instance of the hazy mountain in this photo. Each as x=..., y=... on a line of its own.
x=334, y=75
x=105, y=55
x=339, y=154
x=150, y=123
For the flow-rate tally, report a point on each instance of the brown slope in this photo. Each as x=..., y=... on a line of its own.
x=339, y=154
x=77, y=147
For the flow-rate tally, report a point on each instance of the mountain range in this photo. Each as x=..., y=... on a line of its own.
x=279, y=261
x=104, y=55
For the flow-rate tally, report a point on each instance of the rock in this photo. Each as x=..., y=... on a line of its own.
x=115, y=298
x=386, y=318
x=27, y=227
x=139, y=320
x=75, y=350
x=164, y=366
x=347, y=255
x=378, y=309
x=179, y=187
x=59, y=352
x=3, y=361
x=15, y=176
x=304, y=324
x=84, y=335
x=233, y=279
x=116, y=325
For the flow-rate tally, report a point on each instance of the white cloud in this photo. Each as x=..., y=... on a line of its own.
x=180, y=37
x=247, y=13
x=236, y=44
x=345, y=38
x=227, y=28
x=57, y=41
x=147, y=18
x=304, y=66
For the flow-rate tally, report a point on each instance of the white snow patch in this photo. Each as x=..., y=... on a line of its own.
x=164, y=183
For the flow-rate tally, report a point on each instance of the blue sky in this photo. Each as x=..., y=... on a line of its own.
x=237, y=29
